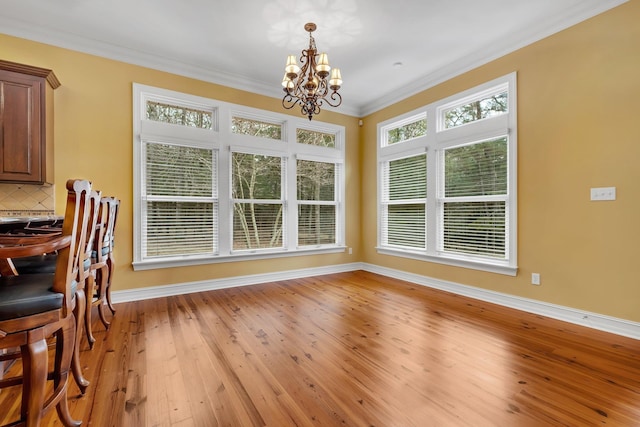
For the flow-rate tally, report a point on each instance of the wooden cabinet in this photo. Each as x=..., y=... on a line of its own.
x=26, y=123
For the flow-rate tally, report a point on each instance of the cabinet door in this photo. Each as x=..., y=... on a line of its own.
x=21, y=128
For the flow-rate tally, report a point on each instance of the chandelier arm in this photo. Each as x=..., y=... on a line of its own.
x=289, y=101
x=334, y=100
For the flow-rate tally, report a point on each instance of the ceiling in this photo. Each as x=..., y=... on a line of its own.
x=387, y=50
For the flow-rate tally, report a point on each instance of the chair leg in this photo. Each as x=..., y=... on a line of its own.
x=78, y=314
x=110, y=271
x=90, y=287
x=65, y=345
x=102, y=278
x=34, y=360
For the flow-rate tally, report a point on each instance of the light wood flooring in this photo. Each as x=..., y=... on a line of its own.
x=348, y=349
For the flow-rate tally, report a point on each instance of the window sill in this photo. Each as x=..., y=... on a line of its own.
x=492, y=267
x=185, y=261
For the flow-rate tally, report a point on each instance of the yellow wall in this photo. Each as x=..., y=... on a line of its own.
x=578, y=127
x=93, y=140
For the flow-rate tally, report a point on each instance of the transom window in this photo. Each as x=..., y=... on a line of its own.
x=407, y=129
x=447, y=180
x=258, y=128
x=215, y=181
x=180, y=115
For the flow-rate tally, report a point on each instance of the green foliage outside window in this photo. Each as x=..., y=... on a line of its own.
x=477, y=110
x=476, y=170
x=174, y=114
x=257, y=178
x=316, y=180
x=316, y=222
x=320, y=139
x=407, y=132
x=256, y=128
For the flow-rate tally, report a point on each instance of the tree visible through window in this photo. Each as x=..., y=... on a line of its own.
x=316, y=182
x=478, y=109
x=175, y=114
x=475, y=191
x=407, y=131
x=257, y=201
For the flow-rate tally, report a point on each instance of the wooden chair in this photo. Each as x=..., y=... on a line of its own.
x=46, y=263
x=84, y=272
x=98, y=286
x=114, y=209
x=34, y=307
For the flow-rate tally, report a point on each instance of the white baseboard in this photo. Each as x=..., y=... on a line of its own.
x=228, y=282
x=579, y=317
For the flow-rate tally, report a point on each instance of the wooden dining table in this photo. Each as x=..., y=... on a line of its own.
x=19, y=239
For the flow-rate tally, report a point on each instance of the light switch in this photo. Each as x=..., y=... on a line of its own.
x=603, y=193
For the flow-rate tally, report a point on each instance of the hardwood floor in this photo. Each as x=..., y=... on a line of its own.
x=349, y=349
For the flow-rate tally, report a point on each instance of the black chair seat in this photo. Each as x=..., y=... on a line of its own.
x=27, y=295
x=36, y=264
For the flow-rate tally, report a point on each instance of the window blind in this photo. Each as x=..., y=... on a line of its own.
x=475, y=197
x=404, y=196
x=180, y=201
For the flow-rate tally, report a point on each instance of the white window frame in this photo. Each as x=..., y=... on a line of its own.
x=436, y=140
x=221, y=139
x=336, y=202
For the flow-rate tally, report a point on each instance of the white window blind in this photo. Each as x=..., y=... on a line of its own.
x=475, y=197
x=404, y=198
x=180, y=200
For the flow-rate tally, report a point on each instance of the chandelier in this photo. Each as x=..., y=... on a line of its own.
x=308, y=86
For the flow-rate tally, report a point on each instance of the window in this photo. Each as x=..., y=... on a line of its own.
x=215, y=181
x=447, y=180
x=407, y=129
x=258, y=204
x=259, y=128
x=317, y=203
x=404, y=204
x=179, y=200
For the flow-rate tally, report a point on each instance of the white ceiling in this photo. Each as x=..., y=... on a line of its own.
x=244, y=43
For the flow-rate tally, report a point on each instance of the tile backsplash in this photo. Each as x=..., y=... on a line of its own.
x=26, y=200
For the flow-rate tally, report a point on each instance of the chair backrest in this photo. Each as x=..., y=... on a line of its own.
x=114, y=209
x=109, y=207
x=88, y=243
x=76, y=221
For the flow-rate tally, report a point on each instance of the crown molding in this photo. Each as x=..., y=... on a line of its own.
x=61, y=39
x=124, y=54
x=517, y=41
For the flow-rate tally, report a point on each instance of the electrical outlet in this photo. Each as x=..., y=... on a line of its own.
x=350, y=251
x=535, y=279
x=603, y=193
